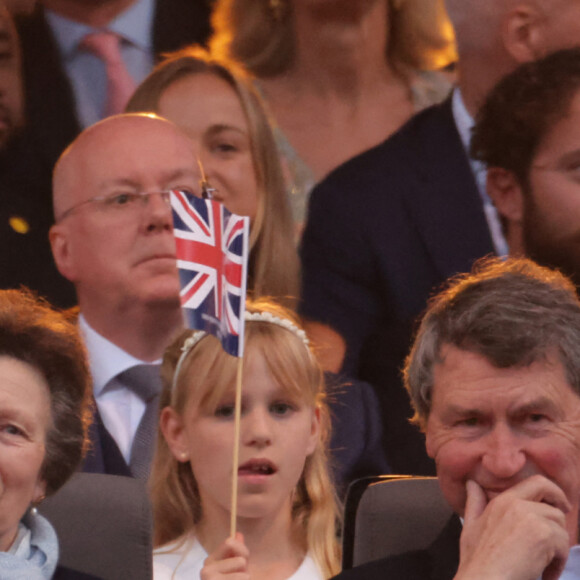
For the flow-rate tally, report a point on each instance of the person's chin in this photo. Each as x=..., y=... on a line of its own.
x=161, y=290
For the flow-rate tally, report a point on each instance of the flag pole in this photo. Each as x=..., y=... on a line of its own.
x=236, y=458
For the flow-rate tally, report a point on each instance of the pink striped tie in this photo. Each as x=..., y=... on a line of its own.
x=120, y=85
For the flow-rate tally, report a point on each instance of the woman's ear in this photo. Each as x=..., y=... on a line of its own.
x=171, y=425
x=314, y=437
x=39, y=492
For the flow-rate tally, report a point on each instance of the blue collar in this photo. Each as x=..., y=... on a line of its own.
x=135, y=24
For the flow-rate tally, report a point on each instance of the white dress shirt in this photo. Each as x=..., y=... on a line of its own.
x=465, y=123
x=120, y=408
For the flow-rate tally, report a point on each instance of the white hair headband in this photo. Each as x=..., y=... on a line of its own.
x=197, y=335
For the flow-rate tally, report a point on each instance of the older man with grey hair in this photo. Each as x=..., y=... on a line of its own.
x=391, y=225
x=494, y=376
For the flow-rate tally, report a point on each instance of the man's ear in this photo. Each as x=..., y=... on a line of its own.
x=505, y=191
x=507, y=195
x=59, y=242
x=523, y=31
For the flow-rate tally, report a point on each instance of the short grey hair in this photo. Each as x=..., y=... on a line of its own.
x=511, y=312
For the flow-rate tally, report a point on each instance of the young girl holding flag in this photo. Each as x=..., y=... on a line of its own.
x=286, y=511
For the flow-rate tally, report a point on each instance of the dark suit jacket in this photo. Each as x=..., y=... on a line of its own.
x=104, y=455
x=50, y=109
x=62, y=573
x=356, y=435
x=383, y=232
x=438, y=562
x=25, y=201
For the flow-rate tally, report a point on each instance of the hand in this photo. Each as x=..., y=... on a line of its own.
x=229, y=561
x=518, y=535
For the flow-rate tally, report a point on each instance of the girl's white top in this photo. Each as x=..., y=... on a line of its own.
x=184, y=562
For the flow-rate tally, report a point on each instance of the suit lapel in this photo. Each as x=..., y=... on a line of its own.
x=50, y=115
x=446, y=205
x=104, y=455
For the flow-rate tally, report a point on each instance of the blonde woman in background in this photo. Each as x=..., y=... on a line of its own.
x=287, y=512
x=338, y=76
x=216, y=105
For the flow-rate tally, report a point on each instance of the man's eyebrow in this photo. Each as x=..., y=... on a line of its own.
x=136, y=184
x=117, y=182
x=541, y=403
x=453, y=411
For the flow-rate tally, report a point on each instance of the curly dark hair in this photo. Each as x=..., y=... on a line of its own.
x=522, y=108
x=32, y=332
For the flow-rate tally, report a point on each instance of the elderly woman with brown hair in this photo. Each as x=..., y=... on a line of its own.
x=44, y=414
x=339, y=76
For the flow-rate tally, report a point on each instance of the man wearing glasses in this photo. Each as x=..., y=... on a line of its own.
x=113, y=239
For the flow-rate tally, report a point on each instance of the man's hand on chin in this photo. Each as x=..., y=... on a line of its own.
x=518, y=535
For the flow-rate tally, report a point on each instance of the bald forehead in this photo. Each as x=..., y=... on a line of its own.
x=119, y=148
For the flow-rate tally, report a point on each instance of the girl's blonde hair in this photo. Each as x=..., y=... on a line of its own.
x=259, y=34
x=274, y=265
x=205, y=375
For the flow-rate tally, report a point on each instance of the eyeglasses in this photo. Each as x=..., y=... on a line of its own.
x=122, y=203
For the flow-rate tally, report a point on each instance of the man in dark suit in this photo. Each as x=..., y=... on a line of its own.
x=494, y=376
x=25, y=206
x=53, y=110
x=388, y=227
x=113, y=239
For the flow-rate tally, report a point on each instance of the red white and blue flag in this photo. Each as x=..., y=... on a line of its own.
x=212, y=259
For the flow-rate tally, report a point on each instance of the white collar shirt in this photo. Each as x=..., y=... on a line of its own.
x=464, y=123
x=120, y=408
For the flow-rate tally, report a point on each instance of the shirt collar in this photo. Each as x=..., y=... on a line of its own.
x=463, y=120
x=106, y=359
x=135, y=24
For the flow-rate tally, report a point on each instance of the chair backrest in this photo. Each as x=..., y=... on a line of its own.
x=104, y=526
x=391, y=514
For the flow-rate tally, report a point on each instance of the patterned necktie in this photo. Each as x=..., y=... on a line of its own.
x=145, y=381
x=120, y=85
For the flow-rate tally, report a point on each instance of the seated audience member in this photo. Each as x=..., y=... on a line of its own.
x=113, y=239
x=389, y=227
x=494, y=376
x=81, y=59
x=527, y=134
x=25, y=206
x=286, y=516
x=338, y=77
x=217, y=107
x=44, y=405
x=220, y=112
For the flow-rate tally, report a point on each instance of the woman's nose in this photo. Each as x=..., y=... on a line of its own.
x=257, y=428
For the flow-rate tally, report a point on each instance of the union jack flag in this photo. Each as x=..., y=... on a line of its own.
x=212, y=259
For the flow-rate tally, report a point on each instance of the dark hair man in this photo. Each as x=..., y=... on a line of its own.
x=528, y=134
